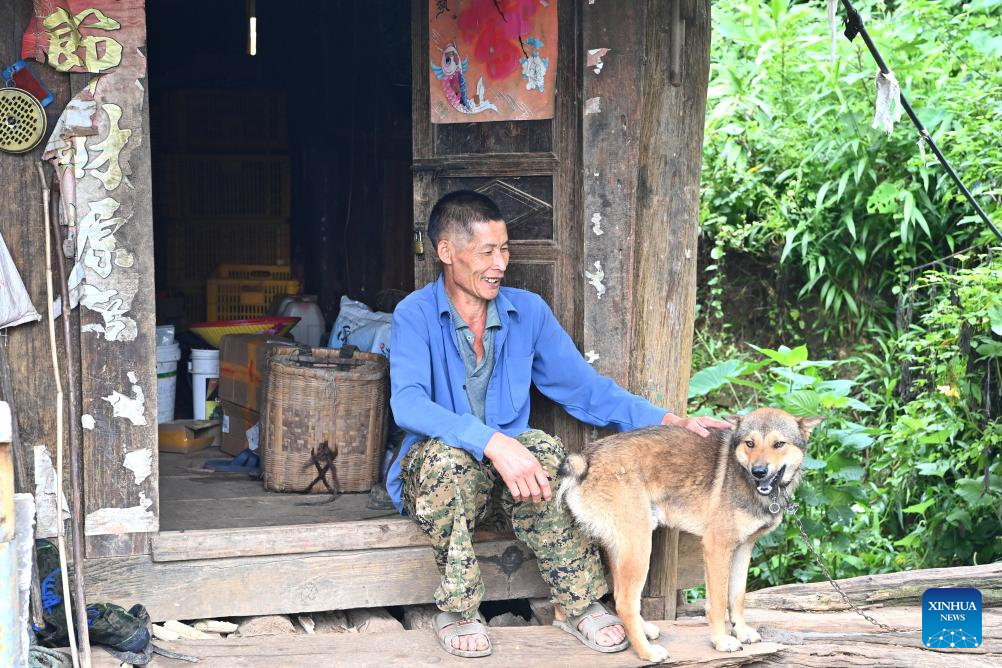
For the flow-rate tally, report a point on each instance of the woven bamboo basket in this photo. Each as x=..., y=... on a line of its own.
x=321, y=396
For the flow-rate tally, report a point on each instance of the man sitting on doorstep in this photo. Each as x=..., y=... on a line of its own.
x=465, y=352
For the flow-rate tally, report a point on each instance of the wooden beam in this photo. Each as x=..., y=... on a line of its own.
x=24, y=232
x=493, y=164
x=298, y=539
x=118, y=350
x=667, y=223
x=885, y=589
x=613, y=97
x=278, y=584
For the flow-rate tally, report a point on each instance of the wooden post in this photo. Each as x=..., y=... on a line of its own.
x=10, y=622
x=666, y=226
x=613, y=35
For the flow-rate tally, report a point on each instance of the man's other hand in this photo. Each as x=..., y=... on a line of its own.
x=697, y=425
x=519, y=469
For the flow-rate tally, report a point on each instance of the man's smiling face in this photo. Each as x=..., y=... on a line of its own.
x=476, y=265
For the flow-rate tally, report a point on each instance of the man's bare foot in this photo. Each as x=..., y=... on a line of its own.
x=475, y=642
x=609, y=636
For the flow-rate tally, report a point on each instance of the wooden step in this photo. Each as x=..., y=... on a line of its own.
x=688, y=645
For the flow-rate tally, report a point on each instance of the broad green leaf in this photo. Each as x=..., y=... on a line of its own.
x=802, y=403
x=798, y=380
x=933, y=468
x=714, y=377
x=971, y=490
x=810, y=463
x=919, y=508
x=838, y=387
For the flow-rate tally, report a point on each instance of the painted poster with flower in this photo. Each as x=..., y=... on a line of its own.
x=492, y=60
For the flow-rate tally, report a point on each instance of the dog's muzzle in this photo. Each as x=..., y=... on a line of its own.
x=764, y=486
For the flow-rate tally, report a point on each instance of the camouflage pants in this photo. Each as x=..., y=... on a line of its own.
x=447, y=491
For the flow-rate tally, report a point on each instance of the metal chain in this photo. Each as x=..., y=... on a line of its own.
x=791, y=510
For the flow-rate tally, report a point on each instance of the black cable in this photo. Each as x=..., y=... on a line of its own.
x=854, y=26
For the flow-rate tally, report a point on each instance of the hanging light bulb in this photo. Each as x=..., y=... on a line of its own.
x=252, y=27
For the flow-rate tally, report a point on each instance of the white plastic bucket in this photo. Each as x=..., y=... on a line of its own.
x=310, y=328
x=204, y=369
x=167, y=357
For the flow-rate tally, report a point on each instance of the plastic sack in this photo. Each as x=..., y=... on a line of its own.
x=362, y=327
x=15, y=304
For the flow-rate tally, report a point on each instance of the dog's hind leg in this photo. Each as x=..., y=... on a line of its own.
x=717, y=553
x=736, y=594
x=630, y=560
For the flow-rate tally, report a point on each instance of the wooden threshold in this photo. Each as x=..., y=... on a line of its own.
x=287, y=583
x=194, y=544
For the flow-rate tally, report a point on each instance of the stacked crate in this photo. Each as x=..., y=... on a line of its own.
x=223, y=187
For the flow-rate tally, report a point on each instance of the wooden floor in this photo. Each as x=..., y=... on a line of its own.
x=195, y=498
x=821, y=640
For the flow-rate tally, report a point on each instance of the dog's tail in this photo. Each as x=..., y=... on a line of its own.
x=571, y=472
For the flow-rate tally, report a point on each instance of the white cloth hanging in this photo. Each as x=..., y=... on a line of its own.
x=889, y=109
x=15, y=304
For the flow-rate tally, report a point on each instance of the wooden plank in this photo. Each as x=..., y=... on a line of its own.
x=513, y=646
x=117, y=331
x=888, y=588
x=667, y=215
x=495, y=164
x=257, y=541
x=24, y=231
x=214, y=588
x=610, y=152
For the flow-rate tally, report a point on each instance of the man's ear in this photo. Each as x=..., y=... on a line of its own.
x=444, y=251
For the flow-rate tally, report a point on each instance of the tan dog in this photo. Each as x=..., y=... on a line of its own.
x=721, y=487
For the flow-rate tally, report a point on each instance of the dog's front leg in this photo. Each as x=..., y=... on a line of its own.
x=717, y=553
x=736, y=594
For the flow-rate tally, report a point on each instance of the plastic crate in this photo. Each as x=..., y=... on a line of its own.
x=194, y=248
x=238, y=291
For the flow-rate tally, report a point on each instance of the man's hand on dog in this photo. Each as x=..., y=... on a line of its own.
x=519, y=469
x=697, y=425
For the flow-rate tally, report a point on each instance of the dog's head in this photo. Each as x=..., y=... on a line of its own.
x=770, y=444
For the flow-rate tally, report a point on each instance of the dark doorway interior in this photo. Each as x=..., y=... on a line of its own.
x=299, y=154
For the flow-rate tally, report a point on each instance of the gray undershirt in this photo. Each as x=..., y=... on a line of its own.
x=477, y=375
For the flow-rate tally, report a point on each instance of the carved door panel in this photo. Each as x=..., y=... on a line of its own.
x=529, y=168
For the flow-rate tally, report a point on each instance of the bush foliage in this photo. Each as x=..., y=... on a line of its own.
x=847, y=231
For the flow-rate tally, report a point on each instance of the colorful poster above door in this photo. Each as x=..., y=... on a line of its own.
x=492, y=60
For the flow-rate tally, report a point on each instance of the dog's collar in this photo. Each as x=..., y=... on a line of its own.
x=775, y=507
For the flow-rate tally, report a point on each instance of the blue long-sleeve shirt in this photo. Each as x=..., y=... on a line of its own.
x=427, y=376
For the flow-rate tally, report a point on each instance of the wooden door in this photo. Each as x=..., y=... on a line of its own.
x=529, y=169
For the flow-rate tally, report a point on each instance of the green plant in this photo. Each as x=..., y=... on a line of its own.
x=794, y=174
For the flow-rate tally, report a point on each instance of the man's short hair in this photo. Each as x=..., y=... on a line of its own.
x=459, y=211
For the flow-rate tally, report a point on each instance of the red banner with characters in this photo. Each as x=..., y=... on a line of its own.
x=84, y=35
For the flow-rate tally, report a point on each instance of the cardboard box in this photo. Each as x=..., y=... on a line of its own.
x=186, y=436
x=243, y=367
x=241, y=429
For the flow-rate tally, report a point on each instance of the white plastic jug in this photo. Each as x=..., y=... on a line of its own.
x=167, y=357
x=310, y=328
x=204, y=369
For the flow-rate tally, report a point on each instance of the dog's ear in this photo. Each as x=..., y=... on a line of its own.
x=807, y=425
x=733, y=420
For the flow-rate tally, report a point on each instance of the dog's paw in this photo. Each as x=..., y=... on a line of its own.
x=727, y=644
x=746, y=634
x=657, y=654
x=651, y=631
